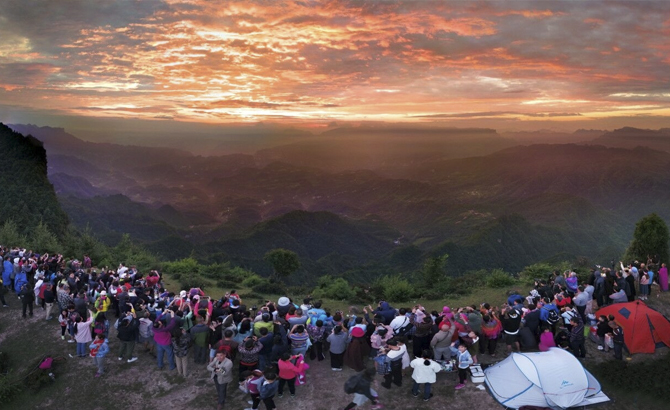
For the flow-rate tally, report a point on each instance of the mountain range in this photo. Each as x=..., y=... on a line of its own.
x=367, y=201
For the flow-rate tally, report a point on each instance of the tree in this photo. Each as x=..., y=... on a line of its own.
x=649, y=239
x=284, y=262
x=10, y=236
x=433, y=270
x=42, y=240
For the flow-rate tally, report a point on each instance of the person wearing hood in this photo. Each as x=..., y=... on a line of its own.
x=386, y=311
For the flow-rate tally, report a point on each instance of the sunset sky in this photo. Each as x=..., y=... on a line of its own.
x=584, y=63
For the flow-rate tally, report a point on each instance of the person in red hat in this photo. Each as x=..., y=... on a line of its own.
x=358, y=350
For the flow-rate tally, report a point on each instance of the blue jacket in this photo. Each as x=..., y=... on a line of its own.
x=7, y=272
x=19, y=281
x=103, y=350
x=269, y=390
x=387, y=312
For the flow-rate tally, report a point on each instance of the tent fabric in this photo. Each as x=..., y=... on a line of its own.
x=554, y=378
x=644, y=329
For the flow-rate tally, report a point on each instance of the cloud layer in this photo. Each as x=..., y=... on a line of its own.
x=210, y=61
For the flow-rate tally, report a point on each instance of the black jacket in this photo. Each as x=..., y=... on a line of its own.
x=128, y=333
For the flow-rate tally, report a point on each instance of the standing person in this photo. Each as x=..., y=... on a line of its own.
x=394, y=353
x=249, y=352
x=27, y=298
x=163, y=340
x=617, y=338
x=127, y=334
x=98, y=350
x=338, y=345
x=200, y=335
x=361, y=386
x=602, y=329
x=316, y=333
x=425, y=372
x=62, y=321
x=577, y=337
x=299, y=340
x=181, y=342
x=49, y=299
x=358, y=350
x=221, y=369
x=268, y=389
x=3, y=291
x=511, y=324
x=491, y=329
x=82, y=334
x=464, y=362
x=441, y=342
x=288, y=372
x=253, y=383
x=663, y=278
x=644, y=285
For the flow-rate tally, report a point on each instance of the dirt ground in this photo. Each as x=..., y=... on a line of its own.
x=140, y=385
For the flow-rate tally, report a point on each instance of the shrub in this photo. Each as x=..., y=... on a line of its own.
x=267, y=287
x=251, y=281
x=395, y=288
x=193, y=281
x=331, y=288
x=499, y=279
x=188, y=266
x=8, y=388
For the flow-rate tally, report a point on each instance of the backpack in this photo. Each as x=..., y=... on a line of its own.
x=405, y=329
x=99, y=328
x=553, y=317
x=351, y=383
x=382, y=365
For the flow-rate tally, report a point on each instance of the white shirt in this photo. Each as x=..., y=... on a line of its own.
x=423, y=373
x=399, y=321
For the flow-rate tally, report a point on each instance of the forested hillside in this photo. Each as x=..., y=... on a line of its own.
x=28, y=197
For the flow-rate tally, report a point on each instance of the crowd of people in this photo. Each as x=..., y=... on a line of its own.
x=266, y=348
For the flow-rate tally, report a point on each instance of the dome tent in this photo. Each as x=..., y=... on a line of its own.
x=553, y=379
x=644, y=329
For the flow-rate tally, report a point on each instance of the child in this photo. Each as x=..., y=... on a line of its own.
x=268, y=389
x=546, y=339
x=253, y=383
x=99, y=348
x=644, y=285
x=464, y=362
x=62, y=320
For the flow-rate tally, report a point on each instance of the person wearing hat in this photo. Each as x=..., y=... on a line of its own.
x=357, y=351
x=283, y=306
x=102, y=303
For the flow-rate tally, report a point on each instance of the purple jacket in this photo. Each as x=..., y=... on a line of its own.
x=162, y=334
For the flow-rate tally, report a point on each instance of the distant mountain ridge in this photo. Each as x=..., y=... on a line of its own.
x=629, y=137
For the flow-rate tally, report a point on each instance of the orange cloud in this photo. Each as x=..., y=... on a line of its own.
x=219, y=61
